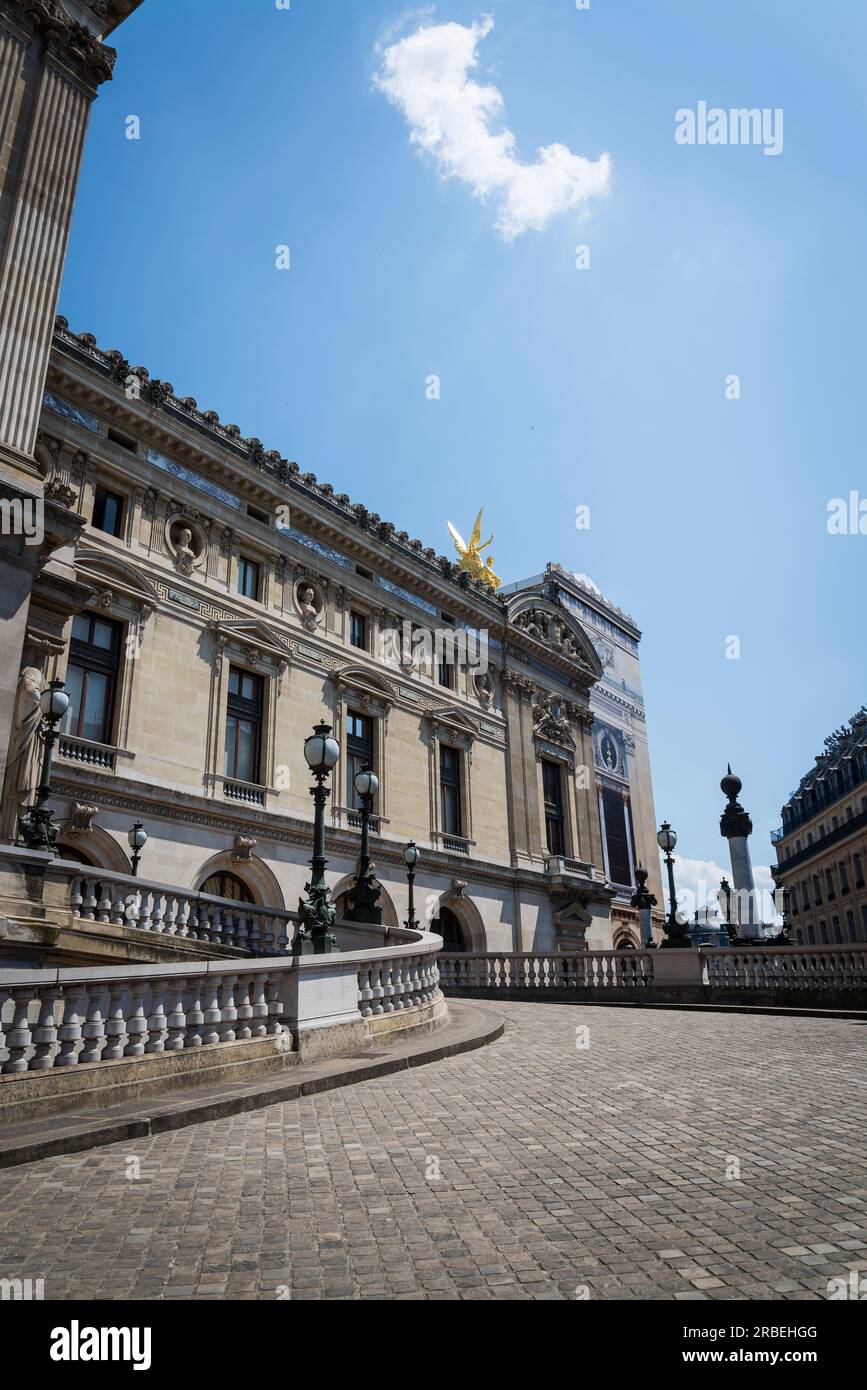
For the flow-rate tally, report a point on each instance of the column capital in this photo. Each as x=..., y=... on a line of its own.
x=69, y=44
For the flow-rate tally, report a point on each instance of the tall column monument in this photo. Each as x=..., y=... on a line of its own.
x=736, y=827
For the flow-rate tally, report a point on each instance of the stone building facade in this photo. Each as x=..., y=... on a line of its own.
x=223, y=601
x=822, y=845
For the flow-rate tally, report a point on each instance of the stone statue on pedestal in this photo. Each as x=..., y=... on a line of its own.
x=23, y=759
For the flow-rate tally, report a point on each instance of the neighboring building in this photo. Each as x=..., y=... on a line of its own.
x=822, y=845
x=219, y=601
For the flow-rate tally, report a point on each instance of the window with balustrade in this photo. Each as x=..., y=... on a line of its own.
x=552, y=788
x=359, y=753
x=91, y=677
x=450, y=791
x=243, y=726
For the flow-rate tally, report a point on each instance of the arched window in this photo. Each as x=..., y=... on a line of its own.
x=229, y=886
x=74, y=855
x=449, y=928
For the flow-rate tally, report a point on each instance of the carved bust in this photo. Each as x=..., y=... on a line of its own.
x=309, y=604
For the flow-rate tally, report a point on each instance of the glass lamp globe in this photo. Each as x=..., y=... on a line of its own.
x=666, y=839
x=366, y=783
x=54, y=701
x=138, y=836
x=321, y=750
x=411, y=855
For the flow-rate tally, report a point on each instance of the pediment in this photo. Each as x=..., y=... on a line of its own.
x=110, y=571
x=251, y=633
x=554, y=628
x=370, y=682
x=455, y=719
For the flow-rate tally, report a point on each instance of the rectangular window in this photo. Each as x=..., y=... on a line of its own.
x=248, y=578
x=864, y=921
x=359, y=753
x=844, y=877
x=243, y=726
x=829, y=885
x=107, y=511
x=450, y=791
x=552, y=785
x=817, y=890
x=358, y=630
x=851, y=934
x=91, y=677
x=614, y=809
x=859, y=872
x=446, y=674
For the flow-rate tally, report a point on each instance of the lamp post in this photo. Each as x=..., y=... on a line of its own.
x=676, y=933
x=365, y=891
x=316, y=912
x=37, y=828
x=725, y=889
x=138, y=838
x=410, y=859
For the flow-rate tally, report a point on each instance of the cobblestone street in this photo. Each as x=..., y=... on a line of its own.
x=679, y=1155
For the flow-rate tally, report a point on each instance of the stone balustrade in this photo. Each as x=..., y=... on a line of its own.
x=690, y=976
x=537, y=971
x=97, y=895
x=787, y=967
x=53, y=1019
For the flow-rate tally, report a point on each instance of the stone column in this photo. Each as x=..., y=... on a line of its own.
x=736, y=827
x=51, y=65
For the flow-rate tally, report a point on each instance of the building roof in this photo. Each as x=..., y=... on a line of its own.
x=841, y=747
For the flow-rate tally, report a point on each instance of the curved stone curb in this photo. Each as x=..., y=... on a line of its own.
x=471, y=1026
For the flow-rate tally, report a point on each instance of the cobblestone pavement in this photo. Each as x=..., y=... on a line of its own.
x=687, y=1156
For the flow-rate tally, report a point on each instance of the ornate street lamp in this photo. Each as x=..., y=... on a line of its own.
x=36, y=827
x=365, y=891
x=676, y=933
x=316, y=912
x=138, y=838
x=410, y=859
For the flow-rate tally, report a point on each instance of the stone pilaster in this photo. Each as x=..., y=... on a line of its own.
x=522, y=773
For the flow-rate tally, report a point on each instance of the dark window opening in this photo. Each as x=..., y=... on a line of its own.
x=243, y=726
x=450, y=791
x=248, y=578
x=91, y=678
x=107, y=511
x=616, y=836
x=449, y=928
x=123, y=441
x=358, y=630
x=552, y=785
x=359, y=753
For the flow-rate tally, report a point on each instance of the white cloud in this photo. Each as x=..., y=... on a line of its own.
x=452, y=117
x=697, y=883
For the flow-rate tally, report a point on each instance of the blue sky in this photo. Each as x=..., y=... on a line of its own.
x=560, y=387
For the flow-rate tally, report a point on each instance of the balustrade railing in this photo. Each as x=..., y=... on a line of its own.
x=71, y=1017
x=97, y=895
x=787, y=967
x=547, y=971
x=395, y=985
x=724, y=968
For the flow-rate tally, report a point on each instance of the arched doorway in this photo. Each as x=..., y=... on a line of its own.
x=449, y=928
x=226, y=885
x=73, y=855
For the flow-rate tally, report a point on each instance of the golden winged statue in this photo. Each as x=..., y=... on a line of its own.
x=471, y=555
